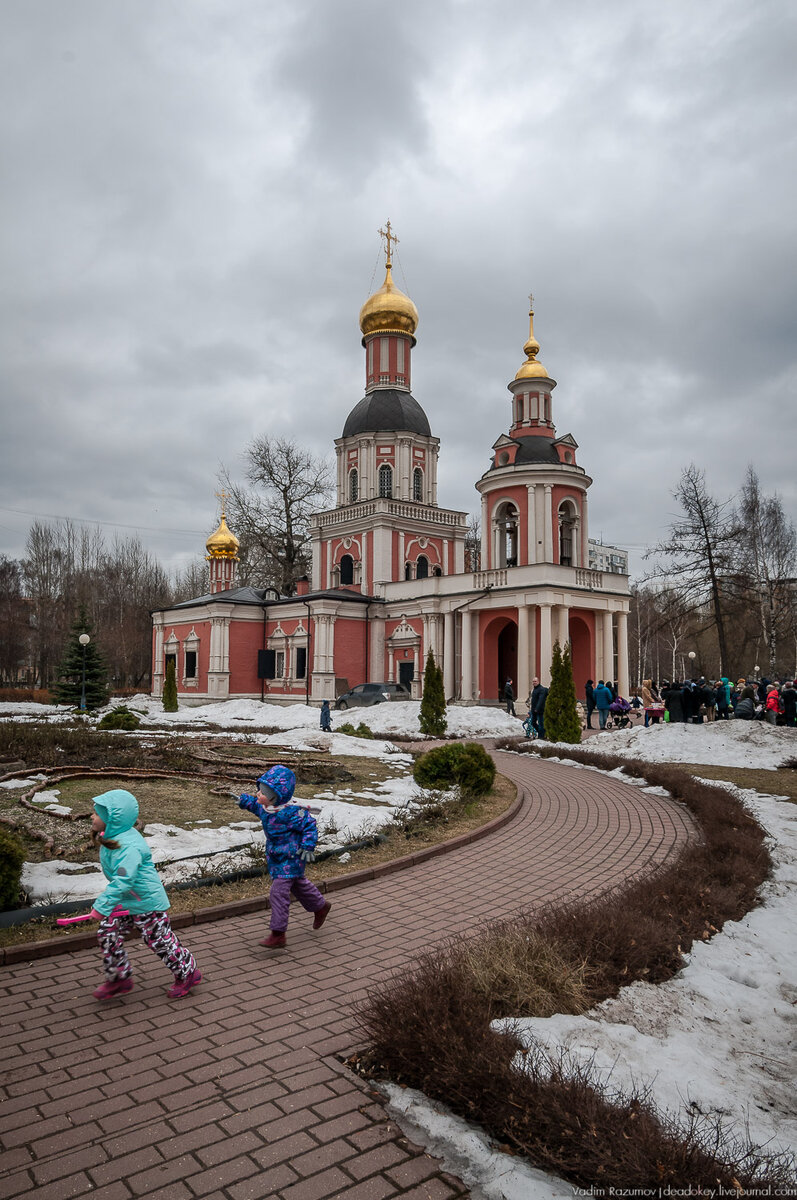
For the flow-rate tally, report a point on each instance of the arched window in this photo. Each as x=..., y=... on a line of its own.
x=506, y=524
x=354, y=486
x=408, y=570
x=347, y=569
x=385, y=481
x=417, y=484
x=567, y=533
x=437, y=571
x=422, y=567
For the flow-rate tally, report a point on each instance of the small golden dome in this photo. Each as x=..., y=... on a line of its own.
x=223, y=543
x=389, y=311
x=532, y=369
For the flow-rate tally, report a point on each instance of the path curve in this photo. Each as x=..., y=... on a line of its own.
x=235, y=1093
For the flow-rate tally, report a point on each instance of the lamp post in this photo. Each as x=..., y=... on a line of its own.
x=84, y=640
x=692, y=656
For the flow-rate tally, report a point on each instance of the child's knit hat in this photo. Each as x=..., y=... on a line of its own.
x=278, y=784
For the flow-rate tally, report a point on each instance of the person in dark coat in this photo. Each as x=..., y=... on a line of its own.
x=509, y=696
x=745, y=709
x=672, y=702
x=326, y=717
x=687, y=702
x=537, y=697
x=789, y=697
x=589, y=695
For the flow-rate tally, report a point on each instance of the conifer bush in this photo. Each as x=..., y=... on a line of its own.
x=170, y=688
x=432, y=718
x=69, y=688
x=466, y=764
x=562, y=722
x=12, y=856
x=120, y=718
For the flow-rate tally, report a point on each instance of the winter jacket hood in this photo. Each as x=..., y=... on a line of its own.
x=279, y=784
x=118, y=809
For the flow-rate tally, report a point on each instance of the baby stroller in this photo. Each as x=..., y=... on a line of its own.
x=529, y=730
x=621, y=713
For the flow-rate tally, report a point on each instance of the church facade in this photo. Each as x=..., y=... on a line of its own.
x=390, y=580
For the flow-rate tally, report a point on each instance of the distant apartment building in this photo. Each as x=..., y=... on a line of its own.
x=607, y=558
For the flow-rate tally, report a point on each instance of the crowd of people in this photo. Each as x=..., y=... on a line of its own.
x=693, y=701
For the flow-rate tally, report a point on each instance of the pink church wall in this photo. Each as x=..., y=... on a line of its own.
x=350, y=651
x=246, y=638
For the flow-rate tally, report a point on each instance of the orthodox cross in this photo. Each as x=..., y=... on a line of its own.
x=389, y=237
x=222, y=495
x=531, y=302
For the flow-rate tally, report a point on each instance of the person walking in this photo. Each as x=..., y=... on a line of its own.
x=291, y=837
x=789, y=698
x=603, y=699
x=589, y=696
x=536, y=702
x=135, y=886
x=509, y=696
x=326, y=717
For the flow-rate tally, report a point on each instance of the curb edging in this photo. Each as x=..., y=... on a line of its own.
x=30, y=951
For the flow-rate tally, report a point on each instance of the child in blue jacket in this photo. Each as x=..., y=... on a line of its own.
x=291, y=837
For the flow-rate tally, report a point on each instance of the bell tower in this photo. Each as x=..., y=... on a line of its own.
x=222, y=554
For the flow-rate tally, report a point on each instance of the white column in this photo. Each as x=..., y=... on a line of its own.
x=523, y=676
x=608, y=648
x=548, y=524
x=467, y=655
x=584, y=533
x=377, y=648
x=563, y=625
x=485, y=536
x=364, y=561
x=622, y=653
x=539, y=516
x=546, y=645
x=531, y=540
x=448, y=654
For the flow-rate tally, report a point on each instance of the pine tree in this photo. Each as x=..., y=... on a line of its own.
x=562, y=723
x=69, y=688
x=432, y=719
x=170, y=688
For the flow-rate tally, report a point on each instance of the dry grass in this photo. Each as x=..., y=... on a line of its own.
x=565, y=960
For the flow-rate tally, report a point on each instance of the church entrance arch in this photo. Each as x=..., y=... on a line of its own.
x=499, y=656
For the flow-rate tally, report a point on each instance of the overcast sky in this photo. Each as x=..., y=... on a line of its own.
x=189, y=210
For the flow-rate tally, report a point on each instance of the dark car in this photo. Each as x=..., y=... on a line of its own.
x=366, y=694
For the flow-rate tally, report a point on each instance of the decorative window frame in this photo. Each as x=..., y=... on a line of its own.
x=191, y=646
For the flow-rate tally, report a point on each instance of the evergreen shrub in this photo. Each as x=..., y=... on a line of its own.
x=170, y=688
x=120, y=718
x=562, y=722
x=432, y=717
x=12, y=856
x=360, y=731
x=79, y=661
x=466, y=764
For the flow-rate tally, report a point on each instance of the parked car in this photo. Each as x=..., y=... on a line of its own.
x=366, y=694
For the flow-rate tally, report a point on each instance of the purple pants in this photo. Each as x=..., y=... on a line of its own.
x=305, y=892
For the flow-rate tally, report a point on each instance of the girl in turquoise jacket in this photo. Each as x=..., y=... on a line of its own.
x=134, y=887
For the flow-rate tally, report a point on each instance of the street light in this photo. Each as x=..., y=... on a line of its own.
x=84, y=640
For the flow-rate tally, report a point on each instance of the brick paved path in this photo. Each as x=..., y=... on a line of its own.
x=234, y=1092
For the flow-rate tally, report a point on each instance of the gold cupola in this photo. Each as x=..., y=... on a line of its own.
x=388, y=310
x=532, y=369
x=223, y=543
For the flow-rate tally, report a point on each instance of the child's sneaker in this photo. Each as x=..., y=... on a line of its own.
x=321, y=916
x=181, y=987
x=113, y=987
x=274, y=941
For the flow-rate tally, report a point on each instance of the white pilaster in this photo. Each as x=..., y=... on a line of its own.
x=546, y=645
x=448, y=654
x=523, y=676
x=467, y=655
x=548, y=526
x=622, y=653
x=608, y=648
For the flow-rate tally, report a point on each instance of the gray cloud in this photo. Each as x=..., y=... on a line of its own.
x=188, y=229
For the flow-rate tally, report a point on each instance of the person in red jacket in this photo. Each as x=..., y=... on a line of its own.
x=772, y=706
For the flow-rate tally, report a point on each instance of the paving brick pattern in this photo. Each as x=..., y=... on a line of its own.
x=235, y=1092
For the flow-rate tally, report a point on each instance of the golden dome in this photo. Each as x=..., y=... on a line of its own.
x=389, y=311
x=532, y=369
x=223, y=543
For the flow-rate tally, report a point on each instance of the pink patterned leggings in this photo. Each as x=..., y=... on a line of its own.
x=156, y=932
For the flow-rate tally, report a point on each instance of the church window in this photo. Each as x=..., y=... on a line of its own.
x=567, y=527
x=417, y=484
x=279, y=669
x=422, y=567
x=354, y=486
x=506, y=524
x=437, y=571
x=347, y=569
x=301, y=662
x=190, y=664
x=408, y=570
x=386, y=481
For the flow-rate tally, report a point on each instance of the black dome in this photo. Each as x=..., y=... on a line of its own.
x=385, y=410
x=534, y=449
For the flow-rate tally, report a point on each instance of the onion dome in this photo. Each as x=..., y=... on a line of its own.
x=388, y=311
x=532, y=369
x=223, y=543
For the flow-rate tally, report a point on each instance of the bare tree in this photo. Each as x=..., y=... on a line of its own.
x=700, y=552
x=768, y=555
x=272, y=522
x=473, y=543
x=14, y=628
x=191, y=582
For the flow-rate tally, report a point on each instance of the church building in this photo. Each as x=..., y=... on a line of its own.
x=390, y=580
